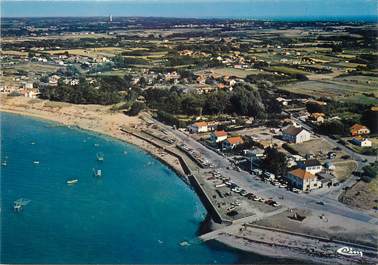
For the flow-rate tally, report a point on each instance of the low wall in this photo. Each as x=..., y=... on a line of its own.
x=192, y=180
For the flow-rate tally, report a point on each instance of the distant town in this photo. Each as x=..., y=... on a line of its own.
x=274, y=124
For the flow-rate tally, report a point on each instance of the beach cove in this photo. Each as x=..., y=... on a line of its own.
x=103, y=220
x=138, y=212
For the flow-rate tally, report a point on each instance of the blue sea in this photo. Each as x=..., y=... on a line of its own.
x=284, y=10
x=137, y=212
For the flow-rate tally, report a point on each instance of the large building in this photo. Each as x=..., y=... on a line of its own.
x=296, y=135
x=303, y=180
x=198, y=127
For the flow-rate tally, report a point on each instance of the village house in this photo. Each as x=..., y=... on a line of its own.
x=231, y=142
x=53, y=80
x=295, y=135
x=303, y=180
x=317, y=117
x=361, y=141
x=358, y=129
x=312, y=165
x=198, y=127
x=218, y=136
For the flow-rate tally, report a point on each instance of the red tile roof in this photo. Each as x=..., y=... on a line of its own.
x=200, y=124
x=358, y=127
x=220, y=133
x=235, y=140
x=302, y=174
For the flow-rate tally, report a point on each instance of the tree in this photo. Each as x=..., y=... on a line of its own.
x=313, y=107
x=333, y=127
x=216, y=103
x=136, y=108
x=275, y=162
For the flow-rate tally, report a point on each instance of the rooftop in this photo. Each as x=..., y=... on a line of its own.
x=357, y=127
x=220, y=133
x=302, y=174
x=200, y=124
x=292, y=130
x=235, y=140
x=311, y=163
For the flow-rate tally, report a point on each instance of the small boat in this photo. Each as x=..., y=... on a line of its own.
x=36, y=162
x=97, y=173
x=184, y=243
x=4, y=163
x=97, y=145
x=72, y=181
x=19, y=204
x=100, y=156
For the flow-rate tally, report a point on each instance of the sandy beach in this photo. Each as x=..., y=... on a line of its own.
x=95, y=118
x=102, y=120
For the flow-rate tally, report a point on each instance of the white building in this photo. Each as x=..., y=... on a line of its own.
x=198, y=127
x=218, y=136
x=295, y=135
x=363, y=142
x=312, y=165
x=303, y=180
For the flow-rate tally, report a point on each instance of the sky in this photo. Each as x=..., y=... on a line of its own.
x=191, y=8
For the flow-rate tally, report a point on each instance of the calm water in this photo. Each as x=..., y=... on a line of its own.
x=267, y=9
x=138, y=212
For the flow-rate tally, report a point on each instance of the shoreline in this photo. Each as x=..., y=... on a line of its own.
x=98, y=120
x=206, y=225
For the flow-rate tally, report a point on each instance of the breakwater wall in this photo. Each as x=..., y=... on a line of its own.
x=193, y=181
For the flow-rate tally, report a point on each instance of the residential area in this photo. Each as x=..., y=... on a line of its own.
x=273, y=124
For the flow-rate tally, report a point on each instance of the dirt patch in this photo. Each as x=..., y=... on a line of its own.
x=344, y=169
x=362, y=195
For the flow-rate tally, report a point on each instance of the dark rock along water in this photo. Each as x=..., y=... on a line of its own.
x=137, y=212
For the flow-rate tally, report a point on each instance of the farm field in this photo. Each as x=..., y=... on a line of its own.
x=240, y=73
x=343, y=88
x=31, y=67
x=90, y=52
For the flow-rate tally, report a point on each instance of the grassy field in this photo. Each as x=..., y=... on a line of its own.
x=240, y=73
x=32, y=67
x=17, y=53
x=339, y=88
x=90, y=52
x=344, y=169
x=286, y=70
x=317, y=147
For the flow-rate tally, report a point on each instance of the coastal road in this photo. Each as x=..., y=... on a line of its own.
x=266, y=190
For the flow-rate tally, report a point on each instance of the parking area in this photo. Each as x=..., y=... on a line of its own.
x=233, y=201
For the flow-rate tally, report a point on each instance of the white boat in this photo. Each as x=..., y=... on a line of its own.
x=4, y=163
x=97, y=173
x=100, y=156
x=36, y=162
x=20, y=203
x=72, y=181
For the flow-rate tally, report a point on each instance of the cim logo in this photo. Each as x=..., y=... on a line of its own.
x=347, y=251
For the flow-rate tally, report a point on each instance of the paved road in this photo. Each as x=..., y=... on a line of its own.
x=266, y=190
